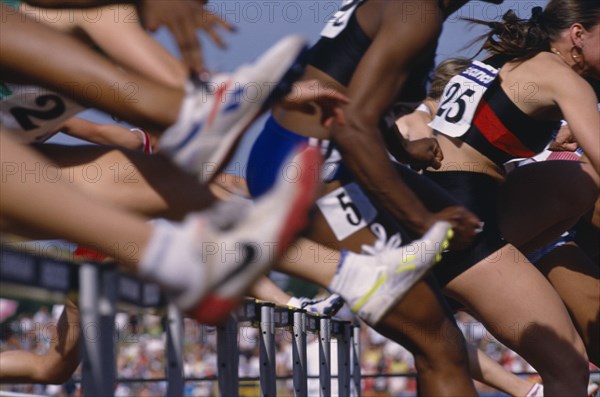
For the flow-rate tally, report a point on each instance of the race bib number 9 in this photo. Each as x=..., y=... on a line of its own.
x=347, y=210
x=339, y=20
x=461, y=98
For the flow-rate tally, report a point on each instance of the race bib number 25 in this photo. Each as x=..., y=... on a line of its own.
x=461, y=98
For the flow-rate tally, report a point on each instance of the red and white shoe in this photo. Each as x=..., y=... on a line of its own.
x=215, y=114
x=236, y=257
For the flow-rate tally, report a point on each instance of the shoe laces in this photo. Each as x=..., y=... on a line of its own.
x=382, y=243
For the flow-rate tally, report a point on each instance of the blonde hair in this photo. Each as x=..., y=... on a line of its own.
x=444, y=72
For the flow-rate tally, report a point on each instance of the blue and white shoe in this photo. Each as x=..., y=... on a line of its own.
x=214, y=114
x=328, y=306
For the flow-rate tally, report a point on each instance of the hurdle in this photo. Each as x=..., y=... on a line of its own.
x=102, y=288
x=267, y=318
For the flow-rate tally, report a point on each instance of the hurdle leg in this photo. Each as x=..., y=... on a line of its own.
x=325, y=357
x=174, y=322
x=355, y=357
x=97, y=300
x=268, y=381
x=299, y=355
x=228, y=358
x=343, y=354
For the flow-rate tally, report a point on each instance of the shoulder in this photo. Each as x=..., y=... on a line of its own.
x=551, y=72
x=550, y=66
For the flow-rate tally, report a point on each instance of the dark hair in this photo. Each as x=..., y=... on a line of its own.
x=522, y=39
x=447, y=69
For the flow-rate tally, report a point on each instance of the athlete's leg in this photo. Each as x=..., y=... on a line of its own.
x=57, y=365
x=73, y=69
x=418, y=322
x=423, y=324
x=148, y=185
x=488, y=371
x=518, y=305
x=31, y=199
x=577, y=280
x=539, y=201
x=265, y=289
x=186, y=260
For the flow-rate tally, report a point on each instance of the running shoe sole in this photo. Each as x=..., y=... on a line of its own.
x=226, y=293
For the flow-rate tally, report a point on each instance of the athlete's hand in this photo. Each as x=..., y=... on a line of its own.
x=564, y=141
x=423, y=153
x=183, y=18
x=312, y=97
x=465, y=225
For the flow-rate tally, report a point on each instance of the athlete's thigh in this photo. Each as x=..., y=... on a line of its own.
x=423, y=323
x=518, y=306
x=537, y=196
x=576, y=278
x=147, y=184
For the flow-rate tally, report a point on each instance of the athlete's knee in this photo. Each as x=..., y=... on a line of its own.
x=445, y=351
x=567, y=361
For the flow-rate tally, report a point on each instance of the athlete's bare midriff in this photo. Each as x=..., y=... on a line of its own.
x=460, y=156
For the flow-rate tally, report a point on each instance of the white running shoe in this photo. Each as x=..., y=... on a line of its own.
x=373, y=289
x=214, y=115
x=238, y=256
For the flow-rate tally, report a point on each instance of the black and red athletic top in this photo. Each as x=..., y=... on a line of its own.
x=502, y=132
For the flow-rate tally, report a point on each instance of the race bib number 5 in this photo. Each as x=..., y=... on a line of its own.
x=461, y=98
x=339, y=20
x=347, y=210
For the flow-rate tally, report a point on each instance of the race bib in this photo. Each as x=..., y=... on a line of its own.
x=347, y=210
x=461, y=98
x=339, y=20
x=33, y=113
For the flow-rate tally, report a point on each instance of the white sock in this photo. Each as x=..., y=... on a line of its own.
x=355, y=276
x=172, y=258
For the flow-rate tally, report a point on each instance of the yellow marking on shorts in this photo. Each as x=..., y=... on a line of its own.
x=409, y=258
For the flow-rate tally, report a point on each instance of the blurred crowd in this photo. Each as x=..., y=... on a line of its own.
x=141, y=355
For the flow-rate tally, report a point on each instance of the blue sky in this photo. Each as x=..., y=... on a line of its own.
x=261, y=23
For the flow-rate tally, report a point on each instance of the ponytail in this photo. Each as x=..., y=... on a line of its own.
x=522, y=39
x=515, y=38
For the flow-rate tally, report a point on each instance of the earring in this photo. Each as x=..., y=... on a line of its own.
x=577, y=56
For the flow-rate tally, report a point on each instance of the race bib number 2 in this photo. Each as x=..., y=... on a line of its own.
x=461, y=98
x=347, y=210
x=339, y=20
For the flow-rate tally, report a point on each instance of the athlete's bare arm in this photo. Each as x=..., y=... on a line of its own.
x=182, y=18
x=102, y=134
x=376, y=83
